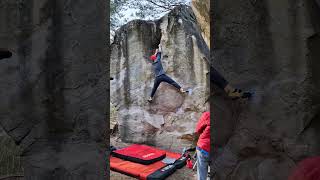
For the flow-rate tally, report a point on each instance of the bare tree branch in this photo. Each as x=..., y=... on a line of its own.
x=145, y=9
x=159, y=5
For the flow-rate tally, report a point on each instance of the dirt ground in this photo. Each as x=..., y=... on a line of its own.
x=181, y=174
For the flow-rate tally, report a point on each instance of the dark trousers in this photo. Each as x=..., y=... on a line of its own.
x=163, y=78
x=217, y=78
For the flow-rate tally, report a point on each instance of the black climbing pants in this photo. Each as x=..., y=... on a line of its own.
x=217, y=78
x=163, y=78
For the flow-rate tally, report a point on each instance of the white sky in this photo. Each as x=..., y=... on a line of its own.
x=129, y=14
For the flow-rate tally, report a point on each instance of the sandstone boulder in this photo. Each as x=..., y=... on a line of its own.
x=172, y=115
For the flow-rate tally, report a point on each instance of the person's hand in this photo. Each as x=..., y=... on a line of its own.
x=160, y=47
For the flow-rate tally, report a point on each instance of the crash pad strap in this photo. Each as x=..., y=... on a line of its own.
x=167, y=170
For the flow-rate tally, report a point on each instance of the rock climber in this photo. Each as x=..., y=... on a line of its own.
x=216, y=78
x=160, y=75
x=203, y=145
x=4, y=53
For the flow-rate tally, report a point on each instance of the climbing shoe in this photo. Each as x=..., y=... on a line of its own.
x=183, y=91
x=150, y=99
x=237, y=93
x=5, y=54
x=246, y=95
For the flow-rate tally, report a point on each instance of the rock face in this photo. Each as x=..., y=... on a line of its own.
x=271, y=48
x=201, y=10
x=169, y=121
x=10, y=160
x=53, y=89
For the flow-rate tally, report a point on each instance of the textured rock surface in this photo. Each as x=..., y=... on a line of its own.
x=171, y=118
x=272, y=48
x=201, y=10
x=10, y=160
x=53, y=90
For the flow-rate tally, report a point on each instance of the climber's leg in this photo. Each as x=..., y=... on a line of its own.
x=217, y=78
x=221, y=82
x=172, y=82
x=156, y=84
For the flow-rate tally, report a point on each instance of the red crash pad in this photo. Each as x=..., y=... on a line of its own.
x=156, y=170
x=141, y=154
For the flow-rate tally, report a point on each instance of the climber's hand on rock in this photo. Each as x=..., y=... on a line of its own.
x=160, y=47
x=156, y=52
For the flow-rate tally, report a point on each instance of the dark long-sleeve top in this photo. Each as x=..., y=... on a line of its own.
x=157, y=66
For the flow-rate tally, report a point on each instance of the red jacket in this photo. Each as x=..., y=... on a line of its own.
x=308, y=169
x=203, y=129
